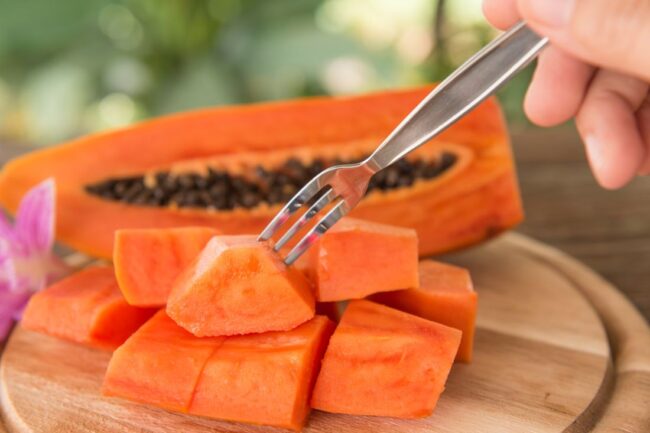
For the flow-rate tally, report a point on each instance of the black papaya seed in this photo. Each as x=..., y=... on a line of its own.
x=218, y=189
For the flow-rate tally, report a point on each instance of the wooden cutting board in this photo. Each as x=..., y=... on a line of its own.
x=557, y=350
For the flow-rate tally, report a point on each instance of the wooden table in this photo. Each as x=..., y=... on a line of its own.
x=609, y=231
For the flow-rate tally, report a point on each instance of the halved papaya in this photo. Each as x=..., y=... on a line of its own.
x=357, y=258
x=446, y=295
x=263, y=378
x=148, y=261
x=384, y=362
x=232, y=168
x=238, y=285
x=160, y=364
x=86, y=307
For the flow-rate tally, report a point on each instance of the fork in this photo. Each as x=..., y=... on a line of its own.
x=464, y=89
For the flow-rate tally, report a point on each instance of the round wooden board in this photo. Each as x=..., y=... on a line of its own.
x=557, y=350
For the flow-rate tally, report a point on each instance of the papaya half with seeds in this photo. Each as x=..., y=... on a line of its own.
x=232, y=168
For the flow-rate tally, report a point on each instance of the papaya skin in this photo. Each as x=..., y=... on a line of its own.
x=471, y=202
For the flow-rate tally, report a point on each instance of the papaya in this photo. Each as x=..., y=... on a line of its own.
x=148, y=261
x=446, y=295
x=384, y=362
x=357, y=258
x=159, y=364
x=238, y=285
x=86, y=307
x=263, y=378
x=258, y=378
x=232, y=168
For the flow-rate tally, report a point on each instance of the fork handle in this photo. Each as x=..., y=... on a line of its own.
x=469, y=85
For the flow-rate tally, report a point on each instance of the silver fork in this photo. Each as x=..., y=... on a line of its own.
x=346, y=184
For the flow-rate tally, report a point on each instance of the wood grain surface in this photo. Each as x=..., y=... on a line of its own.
x=627, y=409
x=607, y=230
x=544, y=363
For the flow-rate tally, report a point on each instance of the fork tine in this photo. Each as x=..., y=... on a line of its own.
x=335, y=214
x=313, y=210
x=301, y=197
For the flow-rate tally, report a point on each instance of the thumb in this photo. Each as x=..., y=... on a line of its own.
x=613, y=34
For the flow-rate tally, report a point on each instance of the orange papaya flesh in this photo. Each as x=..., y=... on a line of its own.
x=160, y=364
x=238, y=285
x=148, y=261
x=473, y=199
x=357, y=258
x=263, y=378
x=446, y=295
x=384, y=362
x=86, y=307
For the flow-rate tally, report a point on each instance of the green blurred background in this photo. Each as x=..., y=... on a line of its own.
x=69, y=67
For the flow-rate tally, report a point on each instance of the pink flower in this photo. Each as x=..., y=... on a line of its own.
x=27, y=263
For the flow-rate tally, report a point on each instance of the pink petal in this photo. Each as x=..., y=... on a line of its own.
x=20, y=303
x=5, y=326
x=12, y=303
x=35, y=217
x=8, y=276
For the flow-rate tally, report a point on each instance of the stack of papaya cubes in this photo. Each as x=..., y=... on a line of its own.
x=219, y=326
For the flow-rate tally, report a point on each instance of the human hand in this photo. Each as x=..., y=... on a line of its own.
x=597, y=70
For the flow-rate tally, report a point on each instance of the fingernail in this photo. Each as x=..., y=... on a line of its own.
x=596, y=155
x=608, y=175
x=552, y=13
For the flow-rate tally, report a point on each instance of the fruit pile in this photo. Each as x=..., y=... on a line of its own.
x=219, y=326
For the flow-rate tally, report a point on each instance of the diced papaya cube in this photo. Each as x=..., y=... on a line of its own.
x=238, y=285
x=356, y=258
x=264, y=378
x=385, y=362
x=160, y=364
x=86, y=307
x=147, y=261
x=446, y=295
